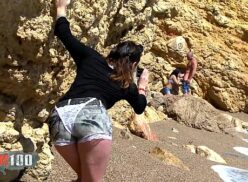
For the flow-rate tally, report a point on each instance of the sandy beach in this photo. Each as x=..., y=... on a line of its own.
x=131, y=160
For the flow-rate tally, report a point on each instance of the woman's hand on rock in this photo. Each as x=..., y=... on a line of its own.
x=61, y=7
x=62, y=3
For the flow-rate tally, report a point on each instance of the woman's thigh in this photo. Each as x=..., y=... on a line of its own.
x=71, y=156
x=64, y=142
x=94, y=156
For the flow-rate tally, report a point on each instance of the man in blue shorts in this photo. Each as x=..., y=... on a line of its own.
x=189, y=73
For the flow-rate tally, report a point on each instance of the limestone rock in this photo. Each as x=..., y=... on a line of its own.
x=36, y=70
x=172, y=138
x=240, y=126
x=139, y=127
x=139, y=123
x=178, y=45
x=124, y=117
x=222, y=20
x=8, y=134
x=121, y=113
x=165, y=9
x=151, y=115
x=173, y=28
x=191, y=148
x=168, y=158
x=195, y=112
x=43, y=114
x=210, y=154
x=101, y=26
x=39, y=138
x=118, y=125
x=245, y=125
x=126, y=134
x=44, y=165
x=175, y=130
x=206, y=152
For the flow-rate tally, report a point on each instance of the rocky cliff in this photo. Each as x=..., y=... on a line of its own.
x=36, y=70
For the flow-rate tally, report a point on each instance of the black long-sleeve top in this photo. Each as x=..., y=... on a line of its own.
x=93, y=74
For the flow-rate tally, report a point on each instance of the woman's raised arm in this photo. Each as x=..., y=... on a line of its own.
x=78, y=50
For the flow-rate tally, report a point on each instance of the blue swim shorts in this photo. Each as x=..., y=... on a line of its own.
x=185, y=87
x=166, y=90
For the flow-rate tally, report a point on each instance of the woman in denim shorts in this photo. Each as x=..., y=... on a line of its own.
x=80, y=127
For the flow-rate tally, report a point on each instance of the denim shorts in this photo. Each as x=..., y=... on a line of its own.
x=166, y=90
x=186, y=87
x=88, y=120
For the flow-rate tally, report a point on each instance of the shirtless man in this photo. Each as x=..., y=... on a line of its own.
x=189, y=73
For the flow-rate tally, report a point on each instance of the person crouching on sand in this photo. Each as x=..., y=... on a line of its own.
x=79, y=125
x=173, y=82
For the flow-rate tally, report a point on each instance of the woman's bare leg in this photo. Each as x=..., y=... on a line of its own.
x=71, y=156
x=94, y=156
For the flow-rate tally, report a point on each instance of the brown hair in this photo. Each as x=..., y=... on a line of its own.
x=122, y=58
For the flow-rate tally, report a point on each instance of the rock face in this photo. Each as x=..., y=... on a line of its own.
x=35, y=69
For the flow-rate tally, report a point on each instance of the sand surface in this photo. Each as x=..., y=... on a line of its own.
x=131, y=160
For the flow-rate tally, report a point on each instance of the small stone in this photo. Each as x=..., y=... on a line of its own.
x=209, y=154
x=43, y=114
x=172, y=138
x=191, y=148
x=175, y=130
x=168, y=158
x=161, y=108
x=52, y=102
x=126, y=134
x=178, y=45
x=53, y=52
x=8, y=146
x=174, y=144
x=8, y=133
x=245, y=125
x=222, y=20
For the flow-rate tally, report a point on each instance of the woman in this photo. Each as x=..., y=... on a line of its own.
x=173, y=82
x=80, y=127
